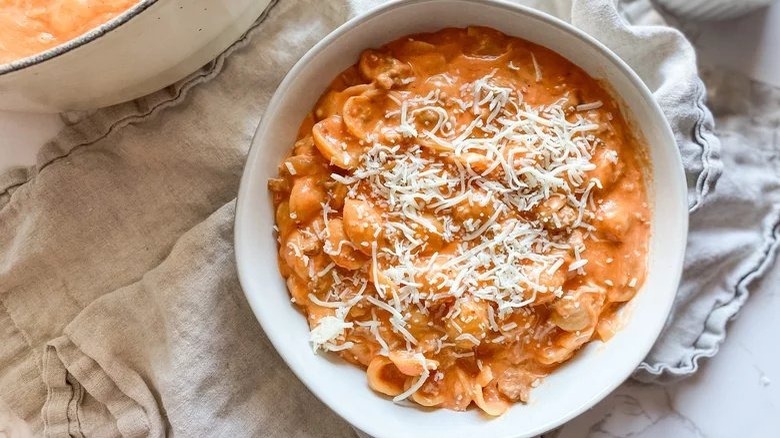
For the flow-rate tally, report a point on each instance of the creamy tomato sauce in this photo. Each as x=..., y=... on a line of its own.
x=461, y=213
x=28, y=27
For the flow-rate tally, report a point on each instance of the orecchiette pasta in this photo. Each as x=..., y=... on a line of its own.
x=343, y=252
x=306, y=198
x=385, y=377
x=336, y=144
x=362, y=224
x=462, y=212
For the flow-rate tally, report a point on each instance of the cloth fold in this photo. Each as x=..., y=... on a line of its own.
x=120, y=311
x=666, y=63
x=242, y=387
x=734, y=233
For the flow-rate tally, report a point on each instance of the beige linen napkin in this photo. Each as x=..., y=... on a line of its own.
x=120, y=311
x=119, y=303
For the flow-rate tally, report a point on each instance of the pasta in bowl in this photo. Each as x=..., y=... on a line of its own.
x=462, y=216
x=463, y=210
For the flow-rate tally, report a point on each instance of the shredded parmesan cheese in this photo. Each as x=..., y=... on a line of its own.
x=589, y=106
x=537, y=69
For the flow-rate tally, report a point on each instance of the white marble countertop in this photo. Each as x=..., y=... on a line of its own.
x=735, y=394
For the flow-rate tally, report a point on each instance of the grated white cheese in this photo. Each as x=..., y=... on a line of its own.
x=328, y=329
x=468, y=337
x=611, y=156
x=462, y=355
x=509, y=158
x=577, y=264
x=537, y=69
x=589, y=106
x=290, y=168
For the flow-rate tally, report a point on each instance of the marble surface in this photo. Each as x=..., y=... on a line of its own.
x=735, y=394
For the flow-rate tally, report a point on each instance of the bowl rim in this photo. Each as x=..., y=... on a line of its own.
x=93, y=34
x=244, y=204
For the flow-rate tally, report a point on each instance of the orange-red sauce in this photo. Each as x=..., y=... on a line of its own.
x=28, y=27
x=333, y=228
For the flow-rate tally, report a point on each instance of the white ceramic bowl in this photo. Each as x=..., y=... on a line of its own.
x=577, y=385
x=151, y=45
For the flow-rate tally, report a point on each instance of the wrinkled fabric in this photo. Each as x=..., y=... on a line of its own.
x=734, y=233
x=120, y=310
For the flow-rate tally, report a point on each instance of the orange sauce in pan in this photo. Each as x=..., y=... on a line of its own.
x=28, y=27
